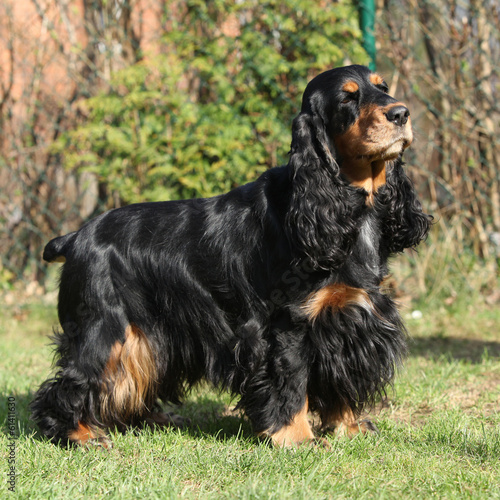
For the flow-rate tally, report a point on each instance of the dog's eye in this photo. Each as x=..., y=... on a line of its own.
x=350, y=97
x=383, y=87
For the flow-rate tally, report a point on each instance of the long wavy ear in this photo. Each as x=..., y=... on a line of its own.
x=323, y=209
x=405, y=225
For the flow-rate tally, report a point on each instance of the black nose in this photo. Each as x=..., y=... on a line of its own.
x=398, y=115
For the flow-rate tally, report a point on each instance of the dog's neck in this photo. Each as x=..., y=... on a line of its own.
x=362, y=173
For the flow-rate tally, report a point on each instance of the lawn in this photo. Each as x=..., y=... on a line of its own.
x=439, y=429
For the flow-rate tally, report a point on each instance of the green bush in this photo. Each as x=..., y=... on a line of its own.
x=214, y=107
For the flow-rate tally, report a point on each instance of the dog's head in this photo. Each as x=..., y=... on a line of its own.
x=347, y=116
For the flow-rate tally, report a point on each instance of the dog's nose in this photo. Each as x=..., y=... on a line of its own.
x=398, y=115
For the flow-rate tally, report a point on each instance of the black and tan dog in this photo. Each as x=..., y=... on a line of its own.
x=271, y=291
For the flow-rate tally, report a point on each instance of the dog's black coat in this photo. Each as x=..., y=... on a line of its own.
x=218, y=285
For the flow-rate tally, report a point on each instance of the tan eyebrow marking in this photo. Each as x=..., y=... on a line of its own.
x=350, y=86
x=376, y=79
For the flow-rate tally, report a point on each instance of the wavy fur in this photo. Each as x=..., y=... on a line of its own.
x=271, y=291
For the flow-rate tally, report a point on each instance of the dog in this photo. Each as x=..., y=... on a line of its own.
x=273, y=291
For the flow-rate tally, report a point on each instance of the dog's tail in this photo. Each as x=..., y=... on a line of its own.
x=57, y=249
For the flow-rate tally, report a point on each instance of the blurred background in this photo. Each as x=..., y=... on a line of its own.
x=110, y=102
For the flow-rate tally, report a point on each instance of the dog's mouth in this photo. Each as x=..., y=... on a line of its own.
x=374, y=139
x=391, y=150
x=395, y=149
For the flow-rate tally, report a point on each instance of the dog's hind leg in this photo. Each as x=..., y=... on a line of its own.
x=129, y=385
x=63, y=409
x=67, y=406
x=129, y=381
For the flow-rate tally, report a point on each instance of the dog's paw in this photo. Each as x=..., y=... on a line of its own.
x=344, y=429
x=100, y=442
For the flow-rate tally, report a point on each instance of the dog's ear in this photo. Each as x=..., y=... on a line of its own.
x=321, y=216
x=310, y=143
x=405, y=224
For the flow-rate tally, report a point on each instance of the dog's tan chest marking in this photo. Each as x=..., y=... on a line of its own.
x=370, y=177
x=335, y=298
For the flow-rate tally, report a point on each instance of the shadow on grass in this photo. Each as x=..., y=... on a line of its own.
x=461, y=349
x=209, y=417
x=21, y=420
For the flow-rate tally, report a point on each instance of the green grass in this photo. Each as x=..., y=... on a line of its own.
x=439, y=429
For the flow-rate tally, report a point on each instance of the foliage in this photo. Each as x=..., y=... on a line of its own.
x=214, y=107
x=444, y=58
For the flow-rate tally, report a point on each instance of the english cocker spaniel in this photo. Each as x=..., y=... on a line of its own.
x=271, y=291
